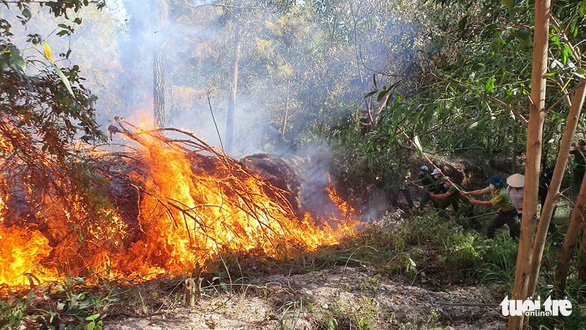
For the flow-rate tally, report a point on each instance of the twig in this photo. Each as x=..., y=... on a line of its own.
x=467, y=304
x=483, y=215
x=214, y=119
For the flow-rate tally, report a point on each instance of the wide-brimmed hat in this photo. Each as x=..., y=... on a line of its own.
x=496, y=180
x=424, y=168
x=516, y=180
x=436, y=171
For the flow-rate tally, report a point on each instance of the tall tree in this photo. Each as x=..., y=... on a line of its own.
x=537, y=113
x=160, y=16
x=234, y=81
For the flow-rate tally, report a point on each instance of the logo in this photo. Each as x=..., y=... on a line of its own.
x=529, y=307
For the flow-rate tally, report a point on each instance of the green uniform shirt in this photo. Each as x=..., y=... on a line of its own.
x=437, y=186
x=454, y=190
x=500, y=198
x=426, y=179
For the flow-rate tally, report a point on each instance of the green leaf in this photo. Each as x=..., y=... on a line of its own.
x=16, y=58
x=510, y=4
x=551, y=74
x=462, y=24
x=489, y=86
x=371, y=93
x=567, y=53
x=64, y=79
x=556, y=40
x=496, y=45
x=382, y=94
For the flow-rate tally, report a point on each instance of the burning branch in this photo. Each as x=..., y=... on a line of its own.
x=161, y=206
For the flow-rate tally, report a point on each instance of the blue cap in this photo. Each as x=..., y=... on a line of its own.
x=496, y=180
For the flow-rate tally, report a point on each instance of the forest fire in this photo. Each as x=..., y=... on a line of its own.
x=171, y=206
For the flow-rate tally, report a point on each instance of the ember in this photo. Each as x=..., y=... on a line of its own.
x=172, y=205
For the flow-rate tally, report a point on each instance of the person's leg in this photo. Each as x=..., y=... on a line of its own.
x=393, y=197
x=578, y=176
x=496, y=223
x=407, y=193
x=455, y=206
x=424, y=199
x=511, y=220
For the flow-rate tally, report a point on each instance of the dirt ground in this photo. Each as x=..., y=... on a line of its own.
x=338, y=298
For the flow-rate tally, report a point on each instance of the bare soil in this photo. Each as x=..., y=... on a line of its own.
x=337, y=298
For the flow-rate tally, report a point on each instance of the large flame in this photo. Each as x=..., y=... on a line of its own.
x=190, y=207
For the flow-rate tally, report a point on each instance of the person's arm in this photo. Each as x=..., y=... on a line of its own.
x=440, y=196
x=478, y=202
x=473, y=192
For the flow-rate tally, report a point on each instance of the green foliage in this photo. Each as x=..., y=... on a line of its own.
x=68, y=306
x=499, y=260
x=476, y=82
x=11, y=314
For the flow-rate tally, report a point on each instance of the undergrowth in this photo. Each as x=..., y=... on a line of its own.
x=424, y=249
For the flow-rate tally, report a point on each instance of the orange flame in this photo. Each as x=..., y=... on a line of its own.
x=187, y=214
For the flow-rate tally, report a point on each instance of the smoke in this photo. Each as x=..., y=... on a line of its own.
x=114, y=48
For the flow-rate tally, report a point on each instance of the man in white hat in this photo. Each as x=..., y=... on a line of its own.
x=436, y=187
x=516, y=184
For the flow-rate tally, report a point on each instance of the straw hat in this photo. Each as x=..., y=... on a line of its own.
x=516, y=180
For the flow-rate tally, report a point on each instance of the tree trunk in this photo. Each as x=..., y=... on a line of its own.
x=160, y=14
x=534, y=144
x=561, y=271
x=159, y=88
x=233, y=91
x=286, y=115
x=554, y=188
x=582, y=259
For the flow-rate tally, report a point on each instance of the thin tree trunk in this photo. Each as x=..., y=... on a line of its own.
x=554, y=189
x=159, y=88
x=514, y=151
x=286, y=115
x=561, y=271
x=233, y=91
x=534, y=144
x=582, y=258
x=160, y=14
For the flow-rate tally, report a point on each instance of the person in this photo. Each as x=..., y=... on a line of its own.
x=579, y=163
x=507, y=213
x=451, y=196
x=426, y=180
x=516, y=184
x=439, y=179
x=436, y=187
x=365, y=122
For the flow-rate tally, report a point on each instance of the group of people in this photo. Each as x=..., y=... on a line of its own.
x=509, y=201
